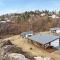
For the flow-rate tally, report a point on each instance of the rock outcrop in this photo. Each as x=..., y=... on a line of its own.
x=43, y=58
x=8, y=51
x=16, y=56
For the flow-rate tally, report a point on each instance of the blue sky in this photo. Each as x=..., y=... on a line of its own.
x=13, y=6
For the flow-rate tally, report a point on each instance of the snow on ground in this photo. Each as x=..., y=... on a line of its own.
x=55, y=43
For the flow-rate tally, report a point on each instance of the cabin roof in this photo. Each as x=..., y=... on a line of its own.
x=44, y=38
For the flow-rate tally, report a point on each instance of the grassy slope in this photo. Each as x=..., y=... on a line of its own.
x=23, y=43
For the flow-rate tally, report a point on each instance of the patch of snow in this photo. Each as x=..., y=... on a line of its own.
x=55, y=43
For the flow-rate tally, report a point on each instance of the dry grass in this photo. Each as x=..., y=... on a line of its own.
x=29, y=47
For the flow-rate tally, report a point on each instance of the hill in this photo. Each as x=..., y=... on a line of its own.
x=34, y=20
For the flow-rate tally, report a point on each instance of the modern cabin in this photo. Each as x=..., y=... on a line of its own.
x=27, y=34
x=55, y=30
x=44, y=39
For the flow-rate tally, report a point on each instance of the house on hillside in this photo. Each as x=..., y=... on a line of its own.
x=3, y=21
x=43, y=14
x=8, y=20
x=55, y=30
x=54, y=16
x=27, y=34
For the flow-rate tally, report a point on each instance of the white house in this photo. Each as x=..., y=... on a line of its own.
x=54, y=16
x=43, y=14
x=55, y=30
x=2, y=21
x=8, y=20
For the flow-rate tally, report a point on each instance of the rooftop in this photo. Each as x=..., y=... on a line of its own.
x=44, y=38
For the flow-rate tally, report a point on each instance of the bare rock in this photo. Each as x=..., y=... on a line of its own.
x=7, y=42
x=9, y=49
x=16, y=56
x=43, y=58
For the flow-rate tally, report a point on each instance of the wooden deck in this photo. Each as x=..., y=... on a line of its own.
x=49, y=49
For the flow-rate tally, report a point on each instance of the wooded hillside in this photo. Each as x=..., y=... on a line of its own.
x=27, y=21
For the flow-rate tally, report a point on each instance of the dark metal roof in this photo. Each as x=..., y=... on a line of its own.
x=26, y=33
x=44, y=38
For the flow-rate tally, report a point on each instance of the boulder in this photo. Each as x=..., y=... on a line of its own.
x=43, y=58
x=16, y=56
x=9, y=49
x=38, y=58
x=7, y=42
